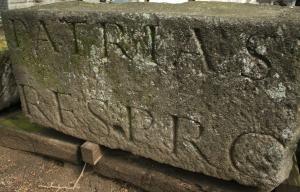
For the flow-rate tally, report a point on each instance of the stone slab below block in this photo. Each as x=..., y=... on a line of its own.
x=17, y=132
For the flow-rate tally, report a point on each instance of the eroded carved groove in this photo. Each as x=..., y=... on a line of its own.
x=122, y=30
x=130, y=128
x=253, y=52
x=36, y=105
x=59, y=109
x=15, y=32
x=73, y=28
x=201, y=154
x=242, y=160
x=206, y=60
x=98, y=117
x=43, y=113
x=119, y=129
x=123, y=50
x=152, y=29
x=43, y=26
x=105, y=39
x=22, y=90
x=175, y=133
x=152, y=118
x=15, y=29
x=200, y=128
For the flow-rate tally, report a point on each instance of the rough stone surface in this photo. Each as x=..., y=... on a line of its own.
x=8, y=87
x=207, y=87
x=17, y=132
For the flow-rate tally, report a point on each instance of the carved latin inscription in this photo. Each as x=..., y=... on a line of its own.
x=249, y=157
x=44, y=36
x=73, y=26
x=65, y=109
x=35, y=105
x=151, y=32
x=115, y=39
x=115, y=119
x=19, y=29
x=255, y=64
x=194, y=89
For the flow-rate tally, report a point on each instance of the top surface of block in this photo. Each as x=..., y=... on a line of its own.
x=214, y=9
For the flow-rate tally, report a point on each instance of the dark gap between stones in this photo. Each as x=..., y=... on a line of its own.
x=298, y=154
x=10, y=109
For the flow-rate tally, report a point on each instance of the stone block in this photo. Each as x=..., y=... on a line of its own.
x=91, y=153
x=207, y=87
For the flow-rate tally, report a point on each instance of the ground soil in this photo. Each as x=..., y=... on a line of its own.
x=24, y=172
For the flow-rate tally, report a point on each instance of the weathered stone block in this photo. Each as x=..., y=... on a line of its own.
x=207, y=87
x=8, y=87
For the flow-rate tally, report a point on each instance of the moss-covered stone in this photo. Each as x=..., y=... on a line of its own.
x=18, y=121
x=3, y=44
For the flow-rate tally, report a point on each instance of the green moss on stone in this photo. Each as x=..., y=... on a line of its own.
x=3, y=45
x=20, y=122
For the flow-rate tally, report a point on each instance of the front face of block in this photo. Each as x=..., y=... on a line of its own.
x=216, y=95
